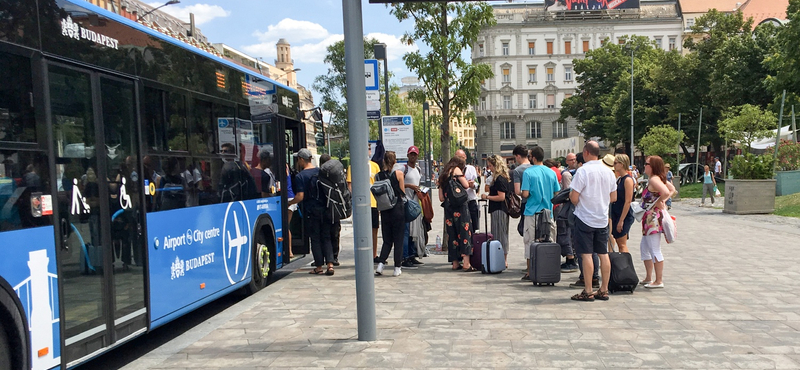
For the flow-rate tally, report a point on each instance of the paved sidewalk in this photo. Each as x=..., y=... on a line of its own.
x=730, y=302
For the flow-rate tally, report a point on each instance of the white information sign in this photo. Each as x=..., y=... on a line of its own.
x=373, y=105
x=398, y=134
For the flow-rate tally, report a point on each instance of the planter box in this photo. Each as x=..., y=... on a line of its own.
x=788, y=182
x=749, y=196
x=676, y=182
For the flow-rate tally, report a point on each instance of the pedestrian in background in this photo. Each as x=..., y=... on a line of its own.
x=336, y=225
x=394, y=220
x=414, y=241
x=522, y=162
x=501, y=184
x=709, y=182
x=456, y=218
x=621, y=216
x=654, y=198
x=313, y=210
x=374, y=168
x=539, y=186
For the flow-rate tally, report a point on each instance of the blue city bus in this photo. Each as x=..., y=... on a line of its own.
x=124, y=178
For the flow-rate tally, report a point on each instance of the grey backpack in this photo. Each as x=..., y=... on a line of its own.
x=384, y=193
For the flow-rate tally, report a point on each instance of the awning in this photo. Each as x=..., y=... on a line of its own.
x=786, y=133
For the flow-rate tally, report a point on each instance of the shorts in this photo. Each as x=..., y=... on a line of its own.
x=650, y=248
x=292, y=207
x=588, y=240
x=375, y=222
x=626, y=226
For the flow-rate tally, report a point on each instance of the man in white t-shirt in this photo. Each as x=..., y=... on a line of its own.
x=471, y=174
x=593, y=189
x=717, y=169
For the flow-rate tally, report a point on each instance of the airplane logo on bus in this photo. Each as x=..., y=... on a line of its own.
x=236, y=231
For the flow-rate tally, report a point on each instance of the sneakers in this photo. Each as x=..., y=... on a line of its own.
x=397, y=271
x=416, y=262
x=409, y=264
x=580, y=284
x=336, y=262
x=379, y=269
x=569, y=266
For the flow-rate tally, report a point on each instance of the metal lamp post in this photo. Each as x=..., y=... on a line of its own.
x=171, y=2
x=633, y=151
x=425, y=139
x=380, y=53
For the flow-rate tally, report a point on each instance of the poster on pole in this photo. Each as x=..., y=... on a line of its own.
x=373, y=105
x=398, y=134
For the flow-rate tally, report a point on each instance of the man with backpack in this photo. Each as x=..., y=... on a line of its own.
x=337, y=198
x=564, y=237
x=312, y=207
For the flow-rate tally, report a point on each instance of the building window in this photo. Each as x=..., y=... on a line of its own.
x=506, y=102
x=506, y=75
x=567, y=96
x=689, y=23
x=531, y=74
x=532, y=101
x=508, y=131
x=658, y=42
x=585, y=46
x=621, y=41
x=531, y=48
x=567, y=73
x=671, y=43
x=483, y=103
x=549, y=48
x=533, y=130
x=505, y=48
x=559, y=130
x=480, y=50
x=551, y=74
x=567, y=47
x=551, y=101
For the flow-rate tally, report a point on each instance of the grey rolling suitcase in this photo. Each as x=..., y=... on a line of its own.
x=545, y=267
x=493, y=260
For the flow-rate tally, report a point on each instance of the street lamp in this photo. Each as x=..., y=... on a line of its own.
x=630, y=45
x=426, y=141
x=170, y=2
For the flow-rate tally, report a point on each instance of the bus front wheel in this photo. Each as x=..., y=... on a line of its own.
x=263, y=256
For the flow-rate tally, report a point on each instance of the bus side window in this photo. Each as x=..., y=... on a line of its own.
x=25, y=199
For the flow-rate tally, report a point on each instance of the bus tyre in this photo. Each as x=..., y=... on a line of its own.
x=5, y=348
x=262, y=265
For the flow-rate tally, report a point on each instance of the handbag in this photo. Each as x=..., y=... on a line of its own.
x=413, y=210
x=425, y=202
x=638, y=211
x=513, y=205
x=669, y=226
x=458, y=195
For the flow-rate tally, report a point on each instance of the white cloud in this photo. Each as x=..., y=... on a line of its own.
x=395, y=47
x=293, y=31
x=203, y=13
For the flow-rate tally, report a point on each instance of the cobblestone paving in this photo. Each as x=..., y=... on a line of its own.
x=730, y=302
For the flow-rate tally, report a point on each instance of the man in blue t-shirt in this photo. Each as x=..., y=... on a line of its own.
x=312, y=208
x=539, y=185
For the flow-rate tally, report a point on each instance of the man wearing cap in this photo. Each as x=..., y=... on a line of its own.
x=414, y=241
x=313, y=211
x=471, y=174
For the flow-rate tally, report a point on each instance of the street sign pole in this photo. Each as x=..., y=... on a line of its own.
x=359, y=139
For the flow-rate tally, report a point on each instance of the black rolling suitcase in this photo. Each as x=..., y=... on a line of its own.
x=545, y=268
x=623, y=275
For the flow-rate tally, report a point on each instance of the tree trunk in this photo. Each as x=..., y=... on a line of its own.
x=445, y=93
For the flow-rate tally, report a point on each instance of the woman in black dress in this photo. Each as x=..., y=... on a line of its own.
x=457, y=218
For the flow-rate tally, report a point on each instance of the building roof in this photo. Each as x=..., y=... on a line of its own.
x=703, y=6
x=760, y=10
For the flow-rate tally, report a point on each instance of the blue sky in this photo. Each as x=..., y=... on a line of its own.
x=254, y=26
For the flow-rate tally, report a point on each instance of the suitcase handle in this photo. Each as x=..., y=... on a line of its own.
x=486, y=216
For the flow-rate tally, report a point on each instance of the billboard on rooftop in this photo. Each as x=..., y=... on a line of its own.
x=559, y=5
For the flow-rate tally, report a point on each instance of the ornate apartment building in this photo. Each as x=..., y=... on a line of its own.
x=532, y=50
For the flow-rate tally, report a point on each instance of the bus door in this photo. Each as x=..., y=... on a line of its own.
x=294, y=140
x=101, y=254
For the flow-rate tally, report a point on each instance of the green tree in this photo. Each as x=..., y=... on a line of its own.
x=662, y=140
x=784, y=61
x=448, y=29
x=747, y=123
x=333, y=85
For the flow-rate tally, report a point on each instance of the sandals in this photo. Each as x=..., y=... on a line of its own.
x=457, y=268
x=316, y=271
x=603, y=296
x=329, y=272
x=583, y=296
x=471, y=269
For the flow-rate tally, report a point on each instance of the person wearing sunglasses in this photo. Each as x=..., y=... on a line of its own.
x=654, y=199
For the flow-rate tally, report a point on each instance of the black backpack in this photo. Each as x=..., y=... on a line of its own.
x=332, y=190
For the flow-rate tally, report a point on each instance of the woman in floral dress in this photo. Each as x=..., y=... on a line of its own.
x=457, y=218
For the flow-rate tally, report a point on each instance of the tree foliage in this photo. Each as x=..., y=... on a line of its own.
x=448, y=29
x=661, y=140
x=747, y=123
